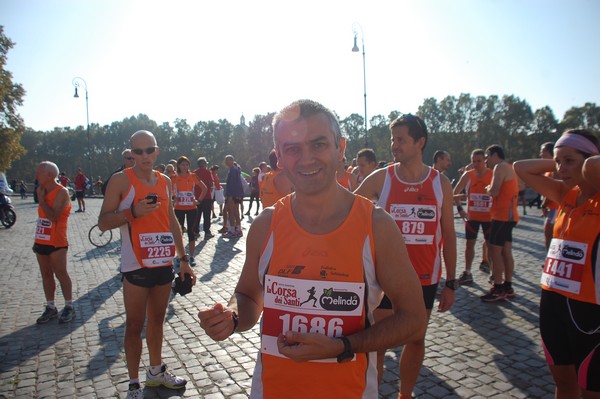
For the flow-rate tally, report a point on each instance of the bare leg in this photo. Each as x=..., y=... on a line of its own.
x=469, y=254
x=135, y=299
x=158, y=299
x=497, y=262
x=509, y=262
x=411, y=361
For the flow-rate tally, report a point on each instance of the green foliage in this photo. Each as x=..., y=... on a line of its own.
x=11, y=96
x=457, y=125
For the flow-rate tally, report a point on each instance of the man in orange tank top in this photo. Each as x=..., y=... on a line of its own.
x=51, y=243
x=139, y=201
x=478, y=214
x=299, y=249
x=419, y=199
x=504, y=188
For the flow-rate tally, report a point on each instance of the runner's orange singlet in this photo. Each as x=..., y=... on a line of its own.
x=49, y=232
x=417, y=209
x=268, y=192
x=479, y=202
x=320, y=284
x=572, y=266
x=147, y=241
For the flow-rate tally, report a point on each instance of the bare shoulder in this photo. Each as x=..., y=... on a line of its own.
x=259, y=229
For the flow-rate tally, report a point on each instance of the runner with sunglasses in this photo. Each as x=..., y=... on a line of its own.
x=138, y=200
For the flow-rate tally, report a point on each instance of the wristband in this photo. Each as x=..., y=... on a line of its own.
x=459, y=208
x=235, y=319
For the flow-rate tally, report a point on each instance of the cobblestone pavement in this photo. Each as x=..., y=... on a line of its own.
x=476, y=350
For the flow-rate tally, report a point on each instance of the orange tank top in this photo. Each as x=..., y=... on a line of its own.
x=52, y=233
x=504, y=207
x=479, y=202
x=183, y=189
x=317, y=283
x=344, y=181
x=572, y=267
x=417, y=208
x=147, y=241
x=269, y=194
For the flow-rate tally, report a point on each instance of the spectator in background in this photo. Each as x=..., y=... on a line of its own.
x=127, y=162
x=366, y=163
x=549, y=207
x=234, y=195
x=275, y=185
x=218, y=196
x=254, y=191
x=23, y=189
x=64, y=179
x=346, y=178
x=80, y=183
x=442, y=161
x=206, y=203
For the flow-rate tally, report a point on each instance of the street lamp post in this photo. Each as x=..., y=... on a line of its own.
x=77, y=82
x=355, y=28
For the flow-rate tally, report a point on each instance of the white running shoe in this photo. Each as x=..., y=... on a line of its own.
x=164, y=378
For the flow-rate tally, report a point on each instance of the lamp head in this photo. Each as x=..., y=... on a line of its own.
x=354, y=49
x=76, y=95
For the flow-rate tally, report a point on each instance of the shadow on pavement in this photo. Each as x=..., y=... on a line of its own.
x=30, y=341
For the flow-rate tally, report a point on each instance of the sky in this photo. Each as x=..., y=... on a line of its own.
x=210, y=60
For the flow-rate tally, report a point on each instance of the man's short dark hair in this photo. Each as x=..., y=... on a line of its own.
x=368, y=154
x=548, y=146
x=302, y=109
x=439, y=154
x=478, y=151
x=416, y=126
x=495, y=149
x=201, y=162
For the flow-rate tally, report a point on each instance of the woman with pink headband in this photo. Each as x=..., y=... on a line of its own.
x=570, y=301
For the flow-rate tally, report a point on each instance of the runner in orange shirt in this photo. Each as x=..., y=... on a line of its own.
x=186, y=203
x=316, y=294
x=504, y=188
x=275, y=184
x=51, y=244
x=138, y=201
x=478, y=214
x=570, y=301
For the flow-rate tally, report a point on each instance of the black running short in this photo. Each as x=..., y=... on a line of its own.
x=501, y=232
x=46, y=250
x=429, y=292
x=472, y=228
x=149, y=277
x=570, y=331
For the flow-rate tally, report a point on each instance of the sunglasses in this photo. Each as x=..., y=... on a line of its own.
x=140, y=151
x=411, y=118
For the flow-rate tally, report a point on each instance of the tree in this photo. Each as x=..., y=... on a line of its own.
x=11, y=123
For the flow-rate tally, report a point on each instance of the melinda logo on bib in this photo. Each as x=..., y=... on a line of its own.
x=344, y=301
x=572, y=253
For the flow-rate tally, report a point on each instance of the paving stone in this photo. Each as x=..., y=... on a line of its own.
x=476, y=350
